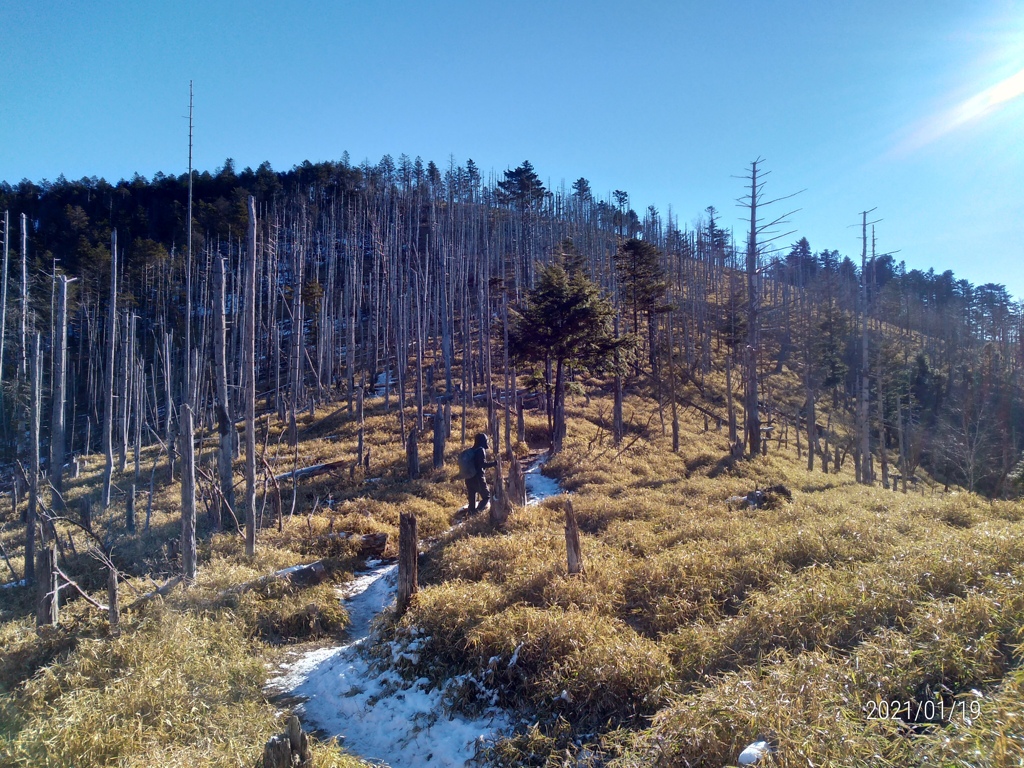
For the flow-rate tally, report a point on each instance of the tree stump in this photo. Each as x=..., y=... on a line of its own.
x=408, y=546
x=572, y=541
x=289, y=749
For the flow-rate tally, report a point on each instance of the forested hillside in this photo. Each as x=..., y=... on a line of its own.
x=398, y=273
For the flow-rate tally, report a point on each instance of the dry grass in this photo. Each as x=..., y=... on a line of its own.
x=697, y=626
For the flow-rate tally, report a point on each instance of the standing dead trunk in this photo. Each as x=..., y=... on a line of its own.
x=225, y=422
x=618, y=426
x=864, y=465
x=558, y=435
x=47, y=593
x=249, y=379
x=58, y=385
x=412, y=453
x=439, y=437
x=108, y=394
x=572, y=541
x=186, y=412
x=3, y=294
x=408, y=567
x=113, y=608
x=750, y=405
x=812, y=439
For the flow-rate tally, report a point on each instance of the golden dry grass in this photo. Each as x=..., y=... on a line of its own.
x=697, y=625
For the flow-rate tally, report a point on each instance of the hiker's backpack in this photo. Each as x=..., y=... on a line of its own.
x=467, y=465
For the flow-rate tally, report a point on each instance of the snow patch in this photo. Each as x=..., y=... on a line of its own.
x=538, y=486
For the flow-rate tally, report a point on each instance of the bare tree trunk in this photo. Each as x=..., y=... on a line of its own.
x=412, y=453
x=862, y=421
x=108, y=403
x=32, y=514
x=439, y=436
x=618, y=426
x=3, y=300
x=48, y=596
x=812, y=439
x=58, y=385
x=730, y=405
x=113, y=607
x=559, y=426
x=249, y=379
x=225, y=422
x=753, y=420
x=186, y=412
x=672, y=386
x=572, y=541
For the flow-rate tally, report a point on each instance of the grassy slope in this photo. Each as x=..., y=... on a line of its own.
x=696, y=627
x=699, y=626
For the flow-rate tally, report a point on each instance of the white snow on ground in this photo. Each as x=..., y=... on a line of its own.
x=12, y=584
x=538, y=486
x=375, y=712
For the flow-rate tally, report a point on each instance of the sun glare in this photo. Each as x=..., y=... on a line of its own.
x=978, y=106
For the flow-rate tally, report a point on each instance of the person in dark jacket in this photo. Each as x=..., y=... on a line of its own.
x=476, y=484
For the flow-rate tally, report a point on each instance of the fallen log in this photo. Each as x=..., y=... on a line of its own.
x=158, y=592
x=313, y=471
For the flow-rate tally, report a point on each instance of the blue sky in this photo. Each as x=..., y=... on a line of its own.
x=907, y=106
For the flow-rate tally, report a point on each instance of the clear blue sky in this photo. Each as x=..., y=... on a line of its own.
x=910, y=106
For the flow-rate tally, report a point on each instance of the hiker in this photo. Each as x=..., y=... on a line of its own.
x=473, y=462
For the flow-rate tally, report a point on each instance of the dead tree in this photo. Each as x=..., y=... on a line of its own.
x=864, y=465
x=186, y=413
x=225, y=422
x=439, y=437
x=59, y=386
x=572, y=541
x=108, y=393
x=249, y=379
x=32, y=514
x=412, y=453
x=755, y=245
x=3, y=293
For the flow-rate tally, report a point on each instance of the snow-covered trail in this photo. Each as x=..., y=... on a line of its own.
x=375, y=713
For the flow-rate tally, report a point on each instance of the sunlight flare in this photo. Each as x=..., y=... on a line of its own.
x=982, y=104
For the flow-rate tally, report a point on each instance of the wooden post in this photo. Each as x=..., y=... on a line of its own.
x=412, y=453
x=572, y=541
x=408, y=571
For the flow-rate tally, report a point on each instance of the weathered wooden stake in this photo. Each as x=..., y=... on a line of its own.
x=408, y=570
x=572, y=541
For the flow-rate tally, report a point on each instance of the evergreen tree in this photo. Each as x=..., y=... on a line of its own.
x=565, y=320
